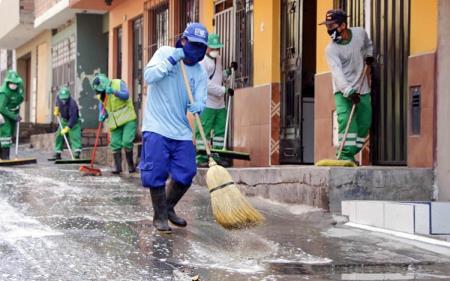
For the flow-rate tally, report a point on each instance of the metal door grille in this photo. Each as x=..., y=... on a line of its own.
x=159, y=28
x=119, y=52
x=390, y=26
x=224, y=26
x=189, y=12
x=354, y=9
x=137, y=65
x=63, y=63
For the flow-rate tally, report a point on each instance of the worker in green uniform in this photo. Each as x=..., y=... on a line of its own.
x=347, y=53
x=67, y=110
x=117, y=110
x=11, y=96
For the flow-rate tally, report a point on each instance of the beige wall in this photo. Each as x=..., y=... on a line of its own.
x=443, y=102
x=39, y=105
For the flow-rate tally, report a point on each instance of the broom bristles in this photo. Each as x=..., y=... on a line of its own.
x=335, y=163
x=230, y=208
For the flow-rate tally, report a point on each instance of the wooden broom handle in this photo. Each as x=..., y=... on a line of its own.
x=191, y=100
x=349, y=122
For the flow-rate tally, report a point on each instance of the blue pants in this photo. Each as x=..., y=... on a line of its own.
x=161, y=157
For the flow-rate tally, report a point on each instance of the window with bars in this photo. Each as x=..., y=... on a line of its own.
x=354, y=9
x=234, y=24
x=63, y=64
x=159, y=28
x=189, y=12
x=118, y=37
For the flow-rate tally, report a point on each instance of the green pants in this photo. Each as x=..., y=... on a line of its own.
x=212, y=120
x=360, y=126
x=74, y=137
x=123, y=136
x=6, y=132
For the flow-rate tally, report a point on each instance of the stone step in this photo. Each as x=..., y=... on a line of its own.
x=422, y=218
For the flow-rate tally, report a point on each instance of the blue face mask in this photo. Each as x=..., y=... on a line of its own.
x=194, y=52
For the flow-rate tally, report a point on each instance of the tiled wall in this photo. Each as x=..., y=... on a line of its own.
x=256, y=125
x=422, y=72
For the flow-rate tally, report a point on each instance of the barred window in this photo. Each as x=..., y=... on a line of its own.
x=189, y=12
x=118, y=38
x=159, y=27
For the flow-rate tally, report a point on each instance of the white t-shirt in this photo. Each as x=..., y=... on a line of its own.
x=216, y=91
x=347, y=62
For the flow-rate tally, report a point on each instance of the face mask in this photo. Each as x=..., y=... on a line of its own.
x=12, y=86
x=214, y=54
x=335, y=35
x=193, y=53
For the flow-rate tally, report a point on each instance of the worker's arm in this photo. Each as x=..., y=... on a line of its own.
x=123, y=92
x=162, y=62
x=4, y=109
x=73, y=114
x=335, y=65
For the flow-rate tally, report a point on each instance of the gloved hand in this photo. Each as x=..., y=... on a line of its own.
x=196, y=107
x=370, y=60
x=177, y=55
x=102, y=117
x=56, y=111
x=355, y=98
x=229, y=91
x=234, y=65
x=109, y=90
x=65, y=130
x=19, y=118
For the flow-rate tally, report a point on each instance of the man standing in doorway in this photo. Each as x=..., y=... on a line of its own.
x=347, y=54
x=215, y=114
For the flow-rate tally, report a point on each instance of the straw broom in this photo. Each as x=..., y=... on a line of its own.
x=337, y=162
x=230, y=208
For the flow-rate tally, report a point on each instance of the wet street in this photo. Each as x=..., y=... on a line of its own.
x=58, y=225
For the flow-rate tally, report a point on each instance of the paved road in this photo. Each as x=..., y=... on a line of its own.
x=57, y=225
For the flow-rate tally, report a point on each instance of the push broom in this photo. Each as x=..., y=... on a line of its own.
x=337, y=162
x=90, y=170
x=72, y=160
x=230, y=208
x=17, y=161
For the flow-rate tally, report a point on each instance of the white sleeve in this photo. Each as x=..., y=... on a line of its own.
x=335, y=65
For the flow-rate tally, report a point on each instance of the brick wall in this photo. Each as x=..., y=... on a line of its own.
x=41, y=6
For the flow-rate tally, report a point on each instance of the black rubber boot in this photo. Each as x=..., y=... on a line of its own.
x=129, y=156
x=76, y=155
x=175, y=192
x=160, y=217
x=5, y=153
x=117, y=163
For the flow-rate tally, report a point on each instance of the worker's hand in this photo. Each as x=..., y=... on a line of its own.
x=65, y=130
x=56, y=111
x=177, y=55
x=355, y=98
x=196, y=107
x=18, y=119
x=102, y=117
x=234, y=65
x=229, y=91
x=109, y=90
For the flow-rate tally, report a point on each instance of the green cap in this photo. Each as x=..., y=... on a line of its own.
x=100, y=83
x=214, y=41
x=64, y=93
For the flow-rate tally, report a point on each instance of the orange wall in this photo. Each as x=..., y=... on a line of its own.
x=123, y=14
x=206, y=13
x=322, y=36
x=424, y=24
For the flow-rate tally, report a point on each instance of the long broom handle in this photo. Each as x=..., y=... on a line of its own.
x=349, y=122
x=197, y=117
x=65, y=138
x=97, y=135
x=17, y=138
x=225, y=140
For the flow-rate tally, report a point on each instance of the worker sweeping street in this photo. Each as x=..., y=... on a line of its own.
x=11, y=97
x=66, y=109
x=215, y=114
x=346, y=54
x=119, y=116
x=167, y=147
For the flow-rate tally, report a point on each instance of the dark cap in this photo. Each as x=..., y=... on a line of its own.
x=335, y=16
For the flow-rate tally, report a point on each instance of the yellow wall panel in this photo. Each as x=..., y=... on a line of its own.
x=206, y=11
x=424, y=21
x=322, y=36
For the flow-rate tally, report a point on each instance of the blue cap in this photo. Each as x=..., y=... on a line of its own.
x=196, y=32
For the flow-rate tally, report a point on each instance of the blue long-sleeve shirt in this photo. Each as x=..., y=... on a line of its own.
x=167, y=100
x=69, y=111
